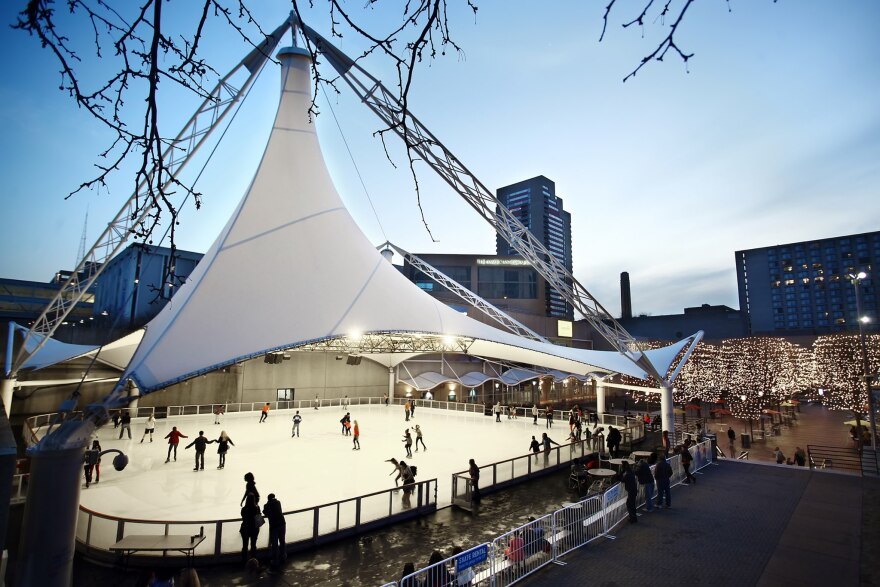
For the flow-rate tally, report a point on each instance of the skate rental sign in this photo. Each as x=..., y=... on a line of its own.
x=471, y=557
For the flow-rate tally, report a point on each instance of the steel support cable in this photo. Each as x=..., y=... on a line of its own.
x=353, y=162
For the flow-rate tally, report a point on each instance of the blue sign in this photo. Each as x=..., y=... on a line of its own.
x=612, y=494
x=471, y=557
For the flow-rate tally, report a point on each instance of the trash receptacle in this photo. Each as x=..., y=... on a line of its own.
x=713, y=438
x=745, y=440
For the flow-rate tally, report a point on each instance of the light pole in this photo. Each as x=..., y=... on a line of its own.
x=856, y=280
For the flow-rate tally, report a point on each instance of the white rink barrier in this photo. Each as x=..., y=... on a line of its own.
x=97, y=532
x=206, y=409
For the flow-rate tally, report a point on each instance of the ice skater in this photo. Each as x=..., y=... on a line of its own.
x=547, y=441
x=535, y=414
x=397, y=470
x=296, y=420
x=345, y=403
x=92, y=462
x=264, y=413
x=201, y=443
x=406, y=408
x=548, y=413
x=407, y=442
x=419, y=438
x=149, y=427
x=317, y=401
x=173, y=440
x=535, y=447
x=126, y=424
x=223, y=444
x=218, y=411
x=412, y=408
x=346, y=424
x=357, y=434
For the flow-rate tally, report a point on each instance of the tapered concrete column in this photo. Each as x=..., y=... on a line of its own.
x=600, y=400
x=48, y=532
x=667, y=414
x=390, y=383
x=7, y=386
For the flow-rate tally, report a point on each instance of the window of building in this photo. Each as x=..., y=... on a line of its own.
x=506, y=282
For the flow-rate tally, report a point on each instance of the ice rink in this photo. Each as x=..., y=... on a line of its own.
x=316, y=468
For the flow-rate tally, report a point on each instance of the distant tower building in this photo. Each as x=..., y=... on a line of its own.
x=806, y=288
x=626, y=306
x=535, y=204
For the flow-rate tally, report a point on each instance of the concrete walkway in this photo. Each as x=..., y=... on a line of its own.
x=740, y=524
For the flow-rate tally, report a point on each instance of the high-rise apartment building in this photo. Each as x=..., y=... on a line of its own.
x=534, y=202
x=808, y=287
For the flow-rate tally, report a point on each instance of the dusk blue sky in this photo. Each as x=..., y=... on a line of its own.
x=772, y=137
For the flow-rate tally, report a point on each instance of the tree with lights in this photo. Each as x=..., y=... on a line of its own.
x=762, y=371
x=839, y=369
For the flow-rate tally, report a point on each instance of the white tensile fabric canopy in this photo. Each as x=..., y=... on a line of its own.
x=291, y=267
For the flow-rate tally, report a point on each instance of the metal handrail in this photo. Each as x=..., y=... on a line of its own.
x=833, y=457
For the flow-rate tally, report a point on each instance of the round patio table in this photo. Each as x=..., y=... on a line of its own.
x=638, y=455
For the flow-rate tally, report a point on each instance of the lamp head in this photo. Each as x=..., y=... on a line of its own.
x=120, y=461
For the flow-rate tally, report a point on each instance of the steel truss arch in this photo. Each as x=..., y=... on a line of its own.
x=429, y=149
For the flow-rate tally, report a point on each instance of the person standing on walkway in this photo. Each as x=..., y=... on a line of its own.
x=149, y=427
x=277, y=530
x=613, y=441
x=173, y=440
x=535, y=447
x=250, y=488
x=662, y=474
x=419, y=438
x=686, y=460
x=264, y=413
x=223, y=443
x=126, y=424
x=474, y=472
x=646, y=480
x=407, y=442
x=535, y=414
x=296, y=420
x=800, y=457
x=357, y=435
x=666, y=444
x=249, y=530
x=92, y=461
x=201, y=443
x=731, y=439
x=547, y=441
x=628, y=479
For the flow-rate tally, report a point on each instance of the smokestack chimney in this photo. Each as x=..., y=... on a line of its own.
x=626, y=307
